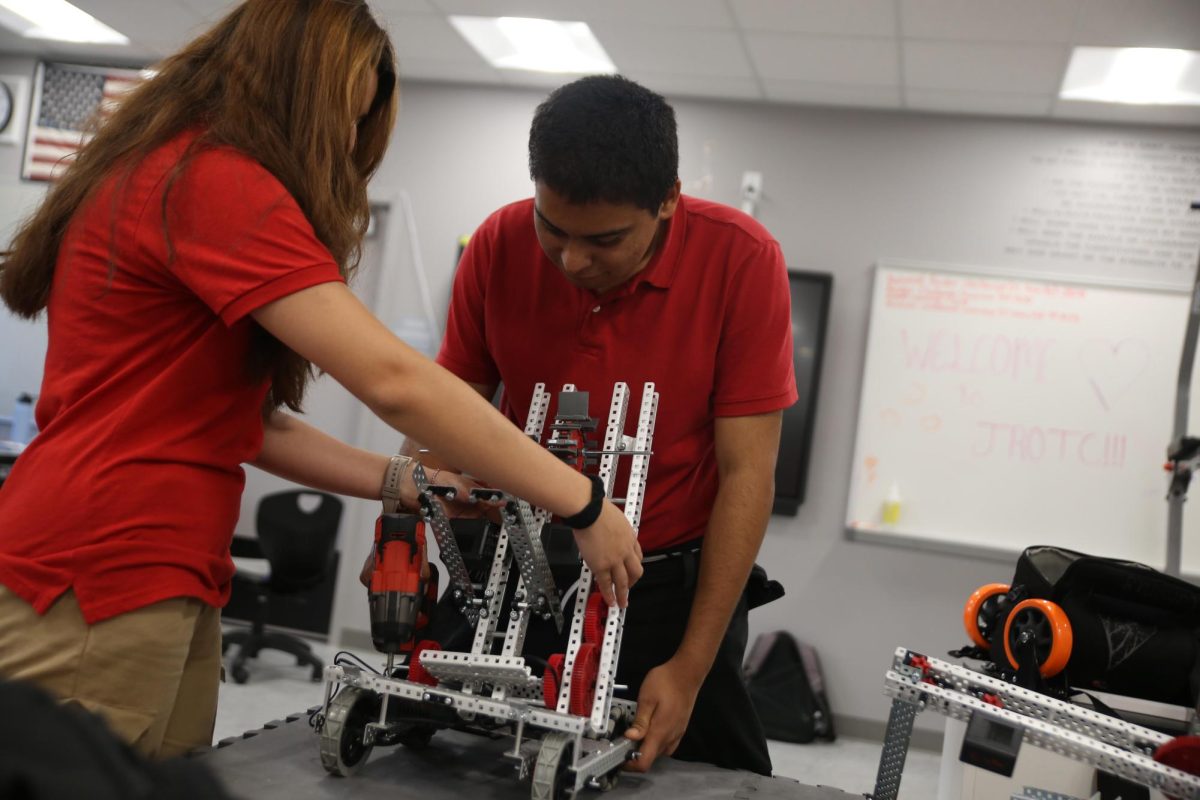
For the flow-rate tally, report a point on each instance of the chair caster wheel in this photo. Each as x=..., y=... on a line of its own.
x=239, y=673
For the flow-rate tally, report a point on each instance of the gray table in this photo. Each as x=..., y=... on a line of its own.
x=281, y=762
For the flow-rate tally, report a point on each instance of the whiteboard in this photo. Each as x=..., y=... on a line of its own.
x=1008, y=411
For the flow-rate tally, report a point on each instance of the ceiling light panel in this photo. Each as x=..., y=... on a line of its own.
x=537, y=45
x=57, y=20
x=1134, y=75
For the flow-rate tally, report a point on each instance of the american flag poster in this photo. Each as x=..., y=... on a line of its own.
x=65, y=98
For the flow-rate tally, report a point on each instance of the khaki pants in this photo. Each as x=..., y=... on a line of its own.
x=152, y=673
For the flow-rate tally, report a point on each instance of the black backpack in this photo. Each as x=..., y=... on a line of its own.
x=785, y=683
x=50, y=751
x=1133, y=630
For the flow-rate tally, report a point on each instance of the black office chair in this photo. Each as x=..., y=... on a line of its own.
x=299, y=547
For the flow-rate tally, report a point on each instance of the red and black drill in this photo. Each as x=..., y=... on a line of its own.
x=400, y=594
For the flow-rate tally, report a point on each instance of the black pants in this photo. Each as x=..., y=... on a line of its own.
x=724, y=729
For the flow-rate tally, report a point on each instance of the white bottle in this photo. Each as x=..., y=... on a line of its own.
x=22, y=427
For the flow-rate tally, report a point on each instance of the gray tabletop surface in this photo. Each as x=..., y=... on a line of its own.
x=282, y=761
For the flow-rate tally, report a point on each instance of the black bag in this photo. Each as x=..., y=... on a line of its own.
x=785, y=683
x=62, y=752
x=1133, y=629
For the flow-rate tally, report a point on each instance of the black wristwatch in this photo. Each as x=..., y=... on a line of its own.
x=591, y=512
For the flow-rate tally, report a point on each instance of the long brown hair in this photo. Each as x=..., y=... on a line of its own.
x=280, y=80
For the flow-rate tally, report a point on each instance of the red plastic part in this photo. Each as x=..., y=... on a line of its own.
x=594, y=618
x=417, y=673
x=583, y=679
x=552, y=680
x=1182, y=753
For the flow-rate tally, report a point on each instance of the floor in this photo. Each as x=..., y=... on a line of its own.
x=277, y=687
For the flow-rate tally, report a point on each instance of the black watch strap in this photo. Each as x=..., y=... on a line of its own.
x=591, y=512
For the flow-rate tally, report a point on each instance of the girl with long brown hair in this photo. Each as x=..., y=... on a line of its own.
x=193, y=262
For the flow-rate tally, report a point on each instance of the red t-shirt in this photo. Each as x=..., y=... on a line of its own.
x=131, y=491
x=708, y=320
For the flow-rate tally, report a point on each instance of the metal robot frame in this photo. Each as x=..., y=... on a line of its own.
x=917, y=683
x=498, y=693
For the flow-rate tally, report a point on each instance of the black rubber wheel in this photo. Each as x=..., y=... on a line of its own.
x=239, y=673
x=417, y=737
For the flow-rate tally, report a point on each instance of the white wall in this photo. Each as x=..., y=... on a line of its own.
x=842, y=189
x=22, y=344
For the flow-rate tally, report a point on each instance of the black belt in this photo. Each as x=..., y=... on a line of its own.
x=678, y=566
x=685, y=549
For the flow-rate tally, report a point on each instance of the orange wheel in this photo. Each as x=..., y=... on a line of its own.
x=594, y=618
x=583, y=679
x=552, y=680
x=1047, y=625
x=417, y=673
x=980, y=613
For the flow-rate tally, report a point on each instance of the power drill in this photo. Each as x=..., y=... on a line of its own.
x=400, y=599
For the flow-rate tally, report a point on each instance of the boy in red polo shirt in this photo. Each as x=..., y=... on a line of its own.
x=610, y=274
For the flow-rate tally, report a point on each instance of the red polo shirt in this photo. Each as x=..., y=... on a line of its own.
x=130, y=493
x=708, y=320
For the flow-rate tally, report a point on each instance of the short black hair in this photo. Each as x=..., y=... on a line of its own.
x=605, y=138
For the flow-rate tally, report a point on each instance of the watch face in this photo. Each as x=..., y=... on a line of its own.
x=6, y=106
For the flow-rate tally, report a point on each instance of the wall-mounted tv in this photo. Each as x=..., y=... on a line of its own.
x=811, y=293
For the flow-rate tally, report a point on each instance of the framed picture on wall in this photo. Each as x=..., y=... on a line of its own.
x=66, y=97
x=811, y=292
x=14, y=108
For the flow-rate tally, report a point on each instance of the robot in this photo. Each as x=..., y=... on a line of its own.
x=566, y=726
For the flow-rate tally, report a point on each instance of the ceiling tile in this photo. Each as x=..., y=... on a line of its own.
x=431, y=37
x=1034, y=68
x=1118, y=112
x=1140, y=23
x=209, y=10
x=443, y=70
x=1007, y=104
x=824, y=94
x=718, y=87
x=685, y=51
x=390, y=8
x=831, y=59
x=839, y=17
x=632, y=13
x=164, y=24
x=989, y=20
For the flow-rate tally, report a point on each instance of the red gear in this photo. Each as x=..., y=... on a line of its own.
x=594, y=618
x=583, y=679
x=552, y=680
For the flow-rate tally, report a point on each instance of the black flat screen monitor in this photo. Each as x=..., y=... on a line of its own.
x=810, y=314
